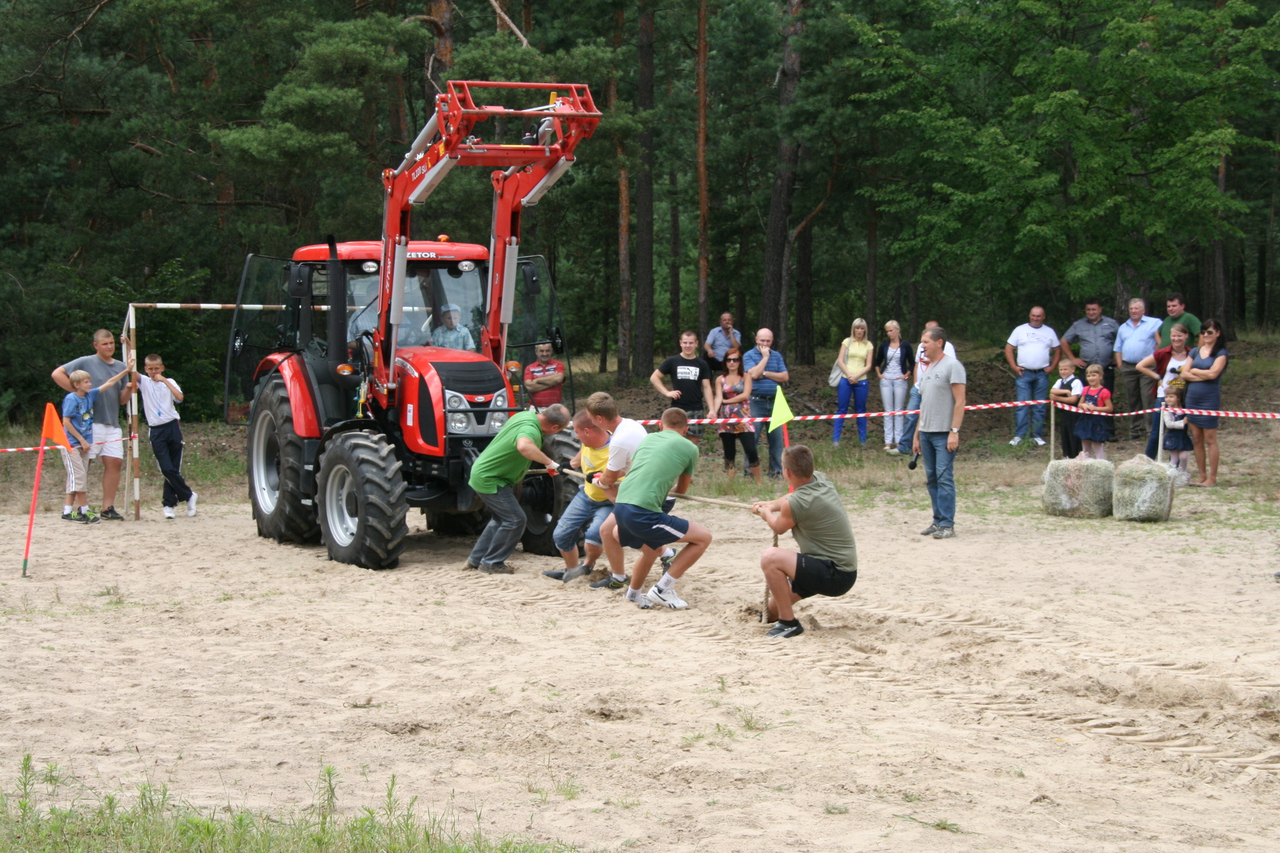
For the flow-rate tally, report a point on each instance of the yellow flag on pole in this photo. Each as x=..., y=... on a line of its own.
x=781, y=411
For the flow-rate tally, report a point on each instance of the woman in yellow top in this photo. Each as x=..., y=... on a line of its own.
x=856, y=353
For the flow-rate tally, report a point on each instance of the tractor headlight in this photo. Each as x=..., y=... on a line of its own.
x=457, y=421
x=497, y=419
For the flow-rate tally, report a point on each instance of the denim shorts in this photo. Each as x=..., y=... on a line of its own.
x=582, y=512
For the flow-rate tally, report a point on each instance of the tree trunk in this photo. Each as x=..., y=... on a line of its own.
x=704, y=191
x=1260, y=300
x=642, y=338
x=803, y=352
x=624, y=229
x=775, y=236
x=873, y=253
x=913, y=304
x=673, y=266
x=1221, y=301
x=440, y=59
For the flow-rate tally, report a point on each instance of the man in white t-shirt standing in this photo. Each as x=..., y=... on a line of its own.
x=913, y=399
x=1036, y=346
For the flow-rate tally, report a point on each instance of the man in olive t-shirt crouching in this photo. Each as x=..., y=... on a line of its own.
x=828, y=560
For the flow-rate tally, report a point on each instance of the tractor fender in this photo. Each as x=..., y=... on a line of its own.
x=346, y=426
x=302, y=399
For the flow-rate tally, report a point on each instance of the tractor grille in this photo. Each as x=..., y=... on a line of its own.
x=469, y=377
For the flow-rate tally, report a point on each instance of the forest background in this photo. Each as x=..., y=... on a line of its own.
x=799, y=162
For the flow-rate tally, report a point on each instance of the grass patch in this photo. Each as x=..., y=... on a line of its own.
x=156, y=821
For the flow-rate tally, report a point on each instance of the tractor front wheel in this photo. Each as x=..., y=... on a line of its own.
x=362, y=506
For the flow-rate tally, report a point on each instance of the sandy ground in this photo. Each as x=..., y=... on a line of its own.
x=1034, y=684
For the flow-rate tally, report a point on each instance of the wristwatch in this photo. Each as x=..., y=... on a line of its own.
x=956, y=430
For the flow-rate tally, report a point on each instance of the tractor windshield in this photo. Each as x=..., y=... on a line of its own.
x=443, y=306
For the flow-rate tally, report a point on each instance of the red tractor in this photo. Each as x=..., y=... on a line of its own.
x=372, y=374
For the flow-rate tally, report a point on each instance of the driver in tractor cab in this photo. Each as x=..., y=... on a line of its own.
x=449, y=334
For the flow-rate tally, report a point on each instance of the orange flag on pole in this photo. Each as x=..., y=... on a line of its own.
x=53, y=427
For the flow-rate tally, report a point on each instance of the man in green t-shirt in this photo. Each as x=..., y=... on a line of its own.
x=663, y=463
x=493, y=476
x=1178, y=313
x=827, y=563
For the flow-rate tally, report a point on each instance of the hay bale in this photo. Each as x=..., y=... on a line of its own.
x=1078, y=488
x=1143, y=490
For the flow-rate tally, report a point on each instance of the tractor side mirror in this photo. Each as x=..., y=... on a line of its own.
x=300, y=281
x=557, y=340
x=532, y=287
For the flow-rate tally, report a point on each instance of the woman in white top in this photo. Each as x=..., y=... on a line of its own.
x=893, y=363
x=855, y=357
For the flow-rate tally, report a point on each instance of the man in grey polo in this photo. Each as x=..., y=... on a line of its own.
x=1097, y=336
x=937, y=438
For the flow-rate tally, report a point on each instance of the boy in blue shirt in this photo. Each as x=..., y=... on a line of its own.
x=77, y=420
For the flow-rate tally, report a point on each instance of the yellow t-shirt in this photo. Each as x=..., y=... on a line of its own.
x=594, y=459
x=856, y=355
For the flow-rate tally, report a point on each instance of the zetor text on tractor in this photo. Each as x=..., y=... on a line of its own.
x=371, y=374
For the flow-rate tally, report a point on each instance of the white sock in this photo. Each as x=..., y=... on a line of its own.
x=633, y=594
x=84, y=508
x=617, y=576
x=665, y=583
x=66, y=508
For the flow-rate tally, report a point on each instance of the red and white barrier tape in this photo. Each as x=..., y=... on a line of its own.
x=982, y=407
x=51, y=446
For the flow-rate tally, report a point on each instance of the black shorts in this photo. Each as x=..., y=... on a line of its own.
x=816, y=576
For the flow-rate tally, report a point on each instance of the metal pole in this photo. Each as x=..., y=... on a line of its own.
x=1053, y=433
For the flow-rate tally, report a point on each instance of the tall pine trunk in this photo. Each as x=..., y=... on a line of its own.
x=642, y=337
x=704, y=192
x=624, y=228
x=784, y=177
x=804, y=350
x=673, y=266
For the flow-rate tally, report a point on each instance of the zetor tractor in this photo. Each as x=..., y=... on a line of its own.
x=372, y=374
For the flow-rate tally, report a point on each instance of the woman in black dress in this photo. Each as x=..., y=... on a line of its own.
x=1202, y=375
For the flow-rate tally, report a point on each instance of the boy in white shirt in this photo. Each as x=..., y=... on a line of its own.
x=159, y=394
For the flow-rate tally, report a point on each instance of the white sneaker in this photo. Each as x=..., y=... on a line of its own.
x=667, y=599
x=191, y=504
x=638, y=600
x=1017, y=439
x=1039, y=441
x=168, y=512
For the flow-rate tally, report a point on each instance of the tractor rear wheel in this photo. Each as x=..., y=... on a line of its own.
x=361, y=496
x=280, y=507
x=545, y=499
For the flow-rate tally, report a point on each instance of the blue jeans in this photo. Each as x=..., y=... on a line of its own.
x=939, y=477
x=762, y=407
x=502, y=534
x=582, y=512
x=858, y=391
x=909, y=428
x=1031, y=385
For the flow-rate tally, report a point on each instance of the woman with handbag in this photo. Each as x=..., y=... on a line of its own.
x=733, y=390
x=894, y=363
x=854, y=361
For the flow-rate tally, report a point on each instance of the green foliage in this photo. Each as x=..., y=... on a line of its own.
x=1005, y=152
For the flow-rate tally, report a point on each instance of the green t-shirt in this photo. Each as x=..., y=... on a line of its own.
x=1186, y=318
x=822, y=525
x=659, y=461
x=500, y=464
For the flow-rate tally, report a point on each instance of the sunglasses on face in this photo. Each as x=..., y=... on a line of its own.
x=732, y=360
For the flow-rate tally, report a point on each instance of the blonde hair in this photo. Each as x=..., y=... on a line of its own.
x=78, y=376
x=857, y=324
x=1094, y=368
x=892, y=324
